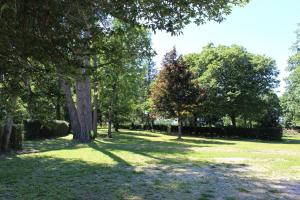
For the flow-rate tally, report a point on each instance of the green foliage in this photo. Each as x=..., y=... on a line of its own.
x=270, y=133
x=235, y=82
x=119, y=83
x=290, y=101
x=32, y=129
x=54, y=128
x=36, y=129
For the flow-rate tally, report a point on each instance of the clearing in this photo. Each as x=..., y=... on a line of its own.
x=144, y=165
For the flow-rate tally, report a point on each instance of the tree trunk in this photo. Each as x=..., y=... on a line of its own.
x=8, y=126
x=95, y=114
x=179, y=128
x=7, y=133
x=233, y=120
x=116, y=126
x=84, y=108
x=109, y=133
x=152, y=125
x=58, y=107
x=74, y=120
x=110, y=112
x=195, y=121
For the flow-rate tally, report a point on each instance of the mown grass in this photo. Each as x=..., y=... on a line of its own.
x=114, y=168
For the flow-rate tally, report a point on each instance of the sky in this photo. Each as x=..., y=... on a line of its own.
x=263, y=27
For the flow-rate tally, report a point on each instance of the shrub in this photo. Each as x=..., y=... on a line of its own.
x=32, y=129
x=55, y=128
x=35, y=129
x=247, y=133
x=16, y=137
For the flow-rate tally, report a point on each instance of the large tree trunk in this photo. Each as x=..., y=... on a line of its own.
x=83, y=92
x=179, y=128
x=74, y=120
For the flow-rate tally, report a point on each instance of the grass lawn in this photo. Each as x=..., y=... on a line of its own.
x=143, y=165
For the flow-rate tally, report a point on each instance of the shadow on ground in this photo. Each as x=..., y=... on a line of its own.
x=41, y=177
x=48, y=178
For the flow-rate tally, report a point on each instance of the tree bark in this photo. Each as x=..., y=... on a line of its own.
x=109, y=133
x=84, y=108
x=110, y=112
x=8, y=126
x=7, y=133
x=179, y=128
x=95, y=115
x=74, y=120
x=58, y=107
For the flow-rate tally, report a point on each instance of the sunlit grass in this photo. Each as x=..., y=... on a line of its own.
x=63, y=169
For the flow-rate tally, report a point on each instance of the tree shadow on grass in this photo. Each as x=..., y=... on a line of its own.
x=36, y=146
x=202, y=141
x=35, y=176
x=139, y=133
x=42, y=177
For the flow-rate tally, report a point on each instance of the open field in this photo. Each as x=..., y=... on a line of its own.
x=143, y=165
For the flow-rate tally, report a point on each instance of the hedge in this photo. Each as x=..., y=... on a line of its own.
x=16, y=137
x=32, y=129
x=35, y=129
x=228, y=132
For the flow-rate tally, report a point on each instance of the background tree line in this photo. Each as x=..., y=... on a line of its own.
x=219, y=83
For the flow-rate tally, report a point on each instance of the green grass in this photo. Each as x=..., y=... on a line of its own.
x=142, y=165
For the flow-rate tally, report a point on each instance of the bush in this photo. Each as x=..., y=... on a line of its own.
x=55, y=128
x=35, y=129
x=247, y=133
x=32, y=129
x=16, y=137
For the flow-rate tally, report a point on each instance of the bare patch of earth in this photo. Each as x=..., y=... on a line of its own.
x=218, y=181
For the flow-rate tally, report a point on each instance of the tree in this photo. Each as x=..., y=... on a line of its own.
x=290, y=100
x=234, y=80
x=174, y=93
x=120, y=80
x=66, y=30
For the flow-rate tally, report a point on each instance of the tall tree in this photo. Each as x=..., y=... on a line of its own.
x=235, y=80
x=66, y=30
x=290, y=100
x=174, y=93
